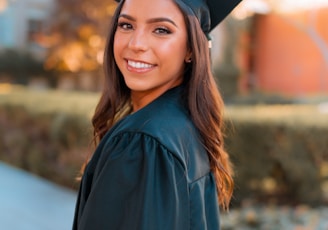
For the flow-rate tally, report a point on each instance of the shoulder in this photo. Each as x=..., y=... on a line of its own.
x=167, y=122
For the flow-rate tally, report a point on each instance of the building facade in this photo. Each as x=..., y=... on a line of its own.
x=20, y=23
x=290, y=52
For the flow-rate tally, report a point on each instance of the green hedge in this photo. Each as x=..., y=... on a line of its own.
x=280, y=153
x=21, y=66
x=47, y=133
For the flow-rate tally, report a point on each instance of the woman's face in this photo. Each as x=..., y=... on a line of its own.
x=150, y=46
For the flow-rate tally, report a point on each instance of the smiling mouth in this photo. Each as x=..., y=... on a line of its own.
x=139, y=65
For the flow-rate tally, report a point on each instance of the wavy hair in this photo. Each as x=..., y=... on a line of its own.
x=203, y=101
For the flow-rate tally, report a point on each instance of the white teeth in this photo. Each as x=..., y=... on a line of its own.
x=139, y=65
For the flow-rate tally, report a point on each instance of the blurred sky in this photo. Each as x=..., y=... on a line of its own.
x=248, y=7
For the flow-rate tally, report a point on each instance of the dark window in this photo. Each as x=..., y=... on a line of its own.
x=34, y=28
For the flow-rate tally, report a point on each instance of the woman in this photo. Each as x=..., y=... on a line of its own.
x=160, y=162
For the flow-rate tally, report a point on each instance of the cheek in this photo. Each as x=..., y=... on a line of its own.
x=174, y=52
x=117, y=47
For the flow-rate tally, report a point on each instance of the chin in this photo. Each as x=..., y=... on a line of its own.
x=137, y=87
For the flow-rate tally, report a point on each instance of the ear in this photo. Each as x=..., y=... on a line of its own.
x=188, y=58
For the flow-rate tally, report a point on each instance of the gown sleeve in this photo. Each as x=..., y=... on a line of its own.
x=138, y=184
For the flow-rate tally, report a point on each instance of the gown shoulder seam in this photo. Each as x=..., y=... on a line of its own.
x=176, y=155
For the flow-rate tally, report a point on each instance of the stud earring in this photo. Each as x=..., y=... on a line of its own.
x=188, y=60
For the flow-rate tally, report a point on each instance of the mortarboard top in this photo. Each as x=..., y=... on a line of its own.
x=210, y=12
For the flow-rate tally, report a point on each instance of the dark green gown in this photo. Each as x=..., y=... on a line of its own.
x=150, y=172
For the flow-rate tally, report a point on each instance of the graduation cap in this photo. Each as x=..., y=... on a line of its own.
x=209, y=12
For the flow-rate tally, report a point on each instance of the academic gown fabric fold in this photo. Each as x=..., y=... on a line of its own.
x=149, y=172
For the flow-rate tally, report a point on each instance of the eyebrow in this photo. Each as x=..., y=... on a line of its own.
x=151, y=20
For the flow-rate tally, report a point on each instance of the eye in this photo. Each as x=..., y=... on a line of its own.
x=162, y=30
x=125, y=26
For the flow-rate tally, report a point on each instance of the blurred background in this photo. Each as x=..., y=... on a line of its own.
x=270, y=60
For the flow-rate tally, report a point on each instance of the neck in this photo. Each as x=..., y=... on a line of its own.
x=140, y=99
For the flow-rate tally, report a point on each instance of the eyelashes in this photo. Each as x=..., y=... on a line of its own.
x=162, y=30
x=159, y=30
x=124, y=26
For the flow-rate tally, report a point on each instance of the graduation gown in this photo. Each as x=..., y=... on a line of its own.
x=149, y=172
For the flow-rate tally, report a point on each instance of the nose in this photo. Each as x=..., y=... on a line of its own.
x=138, y=41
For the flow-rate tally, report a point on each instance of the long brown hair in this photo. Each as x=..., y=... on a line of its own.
x=204, y=101
x=206, y=106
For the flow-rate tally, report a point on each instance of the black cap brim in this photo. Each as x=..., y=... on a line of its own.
x=219, y=10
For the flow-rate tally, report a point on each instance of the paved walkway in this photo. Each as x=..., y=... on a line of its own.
x=28, y=202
